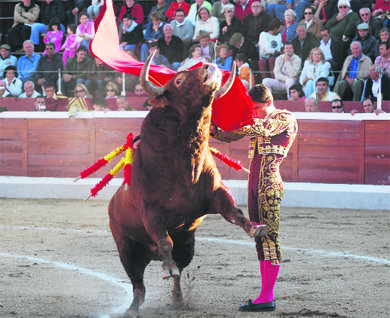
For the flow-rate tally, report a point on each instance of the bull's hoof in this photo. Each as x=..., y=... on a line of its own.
x=259, y=230
x=171, y=271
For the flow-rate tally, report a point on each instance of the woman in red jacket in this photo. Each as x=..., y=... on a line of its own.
x=134, y=9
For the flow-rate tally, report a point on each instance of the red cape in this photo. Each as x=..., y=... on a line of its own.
x=230, y=112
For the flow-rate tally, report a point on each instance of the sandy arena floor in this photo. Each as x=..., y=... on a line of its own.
x=58, y=259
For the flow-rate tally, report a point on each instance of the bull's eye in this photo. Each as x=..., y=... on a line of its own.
x=178, y=81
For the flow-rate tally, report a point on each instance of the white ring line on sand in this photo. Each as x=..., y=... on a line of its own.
x=127, y=287
x=222, y=241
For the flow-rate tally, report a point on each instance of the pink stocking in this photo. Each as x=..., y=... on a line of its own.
x=269, y=274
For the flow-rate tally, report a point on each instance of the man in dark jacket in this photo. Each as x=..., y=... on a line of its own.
x=49, y=9
x=304, y=42
x=376, y=81
x=48, y=66
x=255, y=23
x=171, y=47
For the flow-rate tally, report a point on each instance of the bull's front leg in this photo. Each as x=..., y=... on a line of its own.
x=224, y=204
x=159, y=234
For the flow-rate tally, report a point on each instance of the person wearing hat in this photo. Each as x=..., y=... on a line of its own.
x=342, y=25
x=368, y=41
x=374, y=25
x=5, y=58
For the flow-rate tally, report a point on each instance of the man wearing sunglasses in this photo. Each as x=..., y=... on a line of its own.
x=311, y=23
x=342, y=26
x=374, y=24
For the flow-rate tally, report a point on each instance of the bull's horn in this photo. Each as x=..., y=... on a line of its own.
x=225, y=88
x=148, y=86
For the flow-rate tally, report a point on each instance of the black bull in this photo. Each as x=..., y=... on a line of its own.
x=175, y=182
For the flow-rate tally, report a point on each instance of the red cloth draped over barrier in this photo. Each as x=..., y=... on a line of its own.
x=230, y=112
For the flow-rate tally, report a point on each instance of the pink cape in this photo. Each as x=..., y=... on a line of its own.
x=230, y=112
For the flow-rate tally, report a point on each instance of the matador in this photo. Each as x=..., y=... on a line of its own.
x=271, y=136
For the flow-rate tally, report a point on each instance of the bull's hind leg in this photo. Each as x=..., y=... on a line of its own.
x=224, y=204
x=134, y=257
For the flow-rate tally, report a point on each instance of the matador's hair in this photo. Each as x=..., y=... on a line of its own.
x=260, y=93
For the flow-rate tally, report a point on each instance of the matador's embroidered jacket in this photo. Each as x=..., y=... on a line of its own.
x=271, y=139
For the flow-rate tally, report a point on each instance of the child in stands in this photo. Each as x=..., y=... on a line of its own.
x=70, y=45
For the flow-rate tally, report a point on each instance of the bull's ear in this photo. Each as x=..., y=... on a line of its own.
x=159, y=101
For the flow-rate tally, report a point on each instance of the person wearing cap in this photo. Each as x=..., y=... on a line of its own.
x=355, y=70
x=5, y=58
x=374, y=25
x=342, y=26
x=368, y=41
x=25, y=14
x=271, y=136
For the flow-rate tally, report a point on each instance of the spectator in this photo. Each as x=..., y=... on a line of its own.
x=229, y=26
x=207, y=47
x=135, y=10
x=112, y=90
x=367, y=41
x=286, y=70
x=297, y=6
x=49, y=9
x=54, y=34
x=25, y=14
x=100, y=105
x=13, y=85
x=296, y=93
x=289, y=30
x=195, y=57
x=122, y=104
x=130, y=33
x=311, y=105
x=81, y=91
x=377, y=83
x=138, y=90
x=5, y=58
x=85, y=31
x=255, y=23
x=223, y=60
x=194, y=9
x=323, y=92
x=130, y=81
x=304, y=42
x=48, y=66
x=99, y=74
x=244, y=70
x=159, y=59
x=368, y=107
x=50, y=90
x=183, y=29
x=70, y=45
x=374, y=25
x=333, y=50
x=206, y=23
x=153, y=32
x=3, y=93
x=384, y=36
x=171, y=47
x=342, y=25
x=355, y=70
x=383, y=60
x=239, y=44
x=76, y=70
x=27, y=64
x=312, y=24
x=162, y=6
x=218, y=10
x=29, y=90
x=270, y=45
x=40, y=104
x=324, y=9
x=74, y=9
x=179, y=4
x=313, y=68
x=243, y=9
x=94, y=9
x=337, y=106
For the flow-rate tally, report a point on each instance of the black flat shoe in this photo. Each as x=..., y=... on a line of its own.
x=269, y=306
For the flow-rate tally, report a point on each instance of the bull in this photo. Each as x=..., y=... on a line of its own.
x=175, y=182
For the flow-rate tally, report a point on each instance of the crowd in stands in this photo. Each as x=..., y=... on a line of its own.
x=309, y=49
